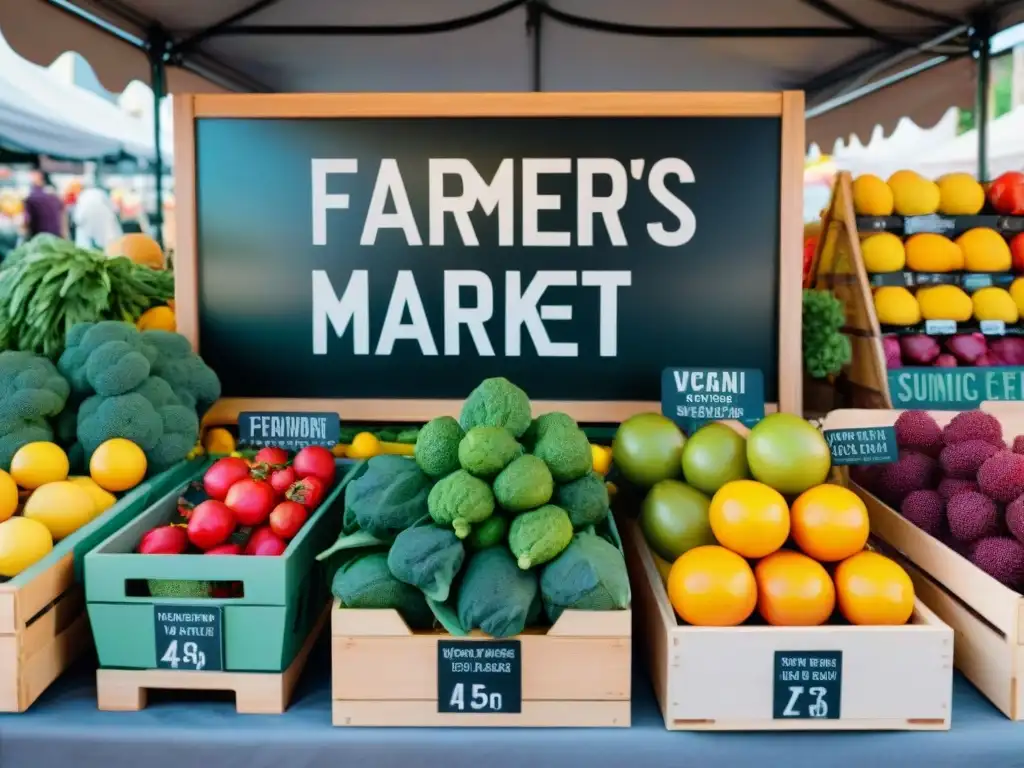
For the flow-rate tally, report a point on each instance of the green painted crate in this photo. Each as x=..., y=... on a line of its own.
x=263, y=631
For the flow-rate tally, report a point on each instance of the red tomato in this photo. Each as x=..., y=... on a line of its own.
x=251, y=501
x=281, y=480
x=225, y=549
x=1007, y=194
x=210, y=524
x=165, y=540
x=315, y=461
x=287, y=518
x=265, y=542
x=309, y=492
x=1017, y=251
x=271, y=455
x=222, y=474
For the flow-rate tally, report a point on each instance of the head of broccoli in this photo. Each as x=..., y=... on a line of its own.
x=524, y=484
x=32, y=392
x=485, y=451
x=192, y=380
x=437, y=446
x=497, y=402
x=566, y=451
x=459, y=500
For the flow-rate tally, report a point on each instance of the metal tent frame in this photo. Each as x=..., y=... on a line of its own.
x=947, y=38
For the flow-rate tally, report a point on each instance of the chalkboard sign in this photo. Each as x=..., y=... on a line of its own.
x=808, y=685
x=288, y=429
x=189, y=637
x=862, y=445
x=954, y=389
x=400, y=247
x=479, y=677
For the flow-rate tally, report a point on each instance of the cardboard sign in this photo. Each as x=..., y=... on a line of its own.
x=479, y=677
x=413, y=257
x=953, y=389
x=693, y=396
x=288, y=430
x=189, y=637
x=862, y=445
x=808, y=685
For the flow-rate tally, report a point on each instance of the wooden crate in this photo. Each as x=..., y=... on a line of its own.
x=721, y=679
x=987, y=618
x=43, y=622
x=577, y=674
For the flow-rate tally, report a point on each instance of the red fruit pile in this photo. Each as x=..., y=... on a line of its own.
x=962, y=350
x=248, y=507
x=960, y=484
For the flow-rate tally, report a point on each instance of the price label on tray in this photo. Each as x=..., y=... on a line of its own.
x=479, y=677
x=936, y=224
x=993, y=327
x=862, y=445
x=940, y=327
x=289, y=430
x=974, y=282
x=189, y=637
x=808, y=685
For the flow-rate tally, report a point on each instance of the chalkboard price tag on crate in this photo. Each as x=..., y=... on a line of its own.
x=807, y=685
x=479, y=677
x=189, y=637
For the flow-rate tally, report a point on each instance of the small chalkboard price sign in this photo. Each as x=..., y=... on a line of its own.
x=288, y=430
x=808, y=685
x=479, y=677
x=189, y=637
x=693, y=396
x=862, y=445
x=954, y=389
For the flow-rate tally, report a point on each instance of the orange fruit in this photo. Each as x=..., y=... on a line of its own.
x=710, y=586
x=872, y=589
x=829, y=523
x=793, y=590
x=749, y=518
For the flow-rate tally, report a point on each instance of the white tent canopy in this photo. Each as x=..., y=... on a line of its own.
x=960, y=154
x=29, y=124
x=904, y=148
x=497, y=55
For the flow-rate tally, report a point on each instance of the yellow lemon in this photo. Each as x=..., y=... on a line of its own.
x=984, y=250
x=63, y=507
x=945, y=302
x=602, y=459
x=960, y=195
x=219, y=440
x=8, y=496
x=157, y=319
x=883, y=252
x=871, y=196
x=913, y=194
x=102, y=500
x=23, y=542
x=895, y=305
x=365, y=445
x=929, y=252
x=118, y=465
x=994, y=303
x=38, y=463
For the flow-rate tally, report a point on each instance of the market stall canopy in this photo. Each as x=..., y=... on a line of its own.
x=829, y=48
x=903, y=148
x=29, y=124
x=960, y=154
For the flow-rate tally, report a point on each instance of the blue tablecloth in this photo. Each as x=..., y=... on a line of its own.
x=65, y=729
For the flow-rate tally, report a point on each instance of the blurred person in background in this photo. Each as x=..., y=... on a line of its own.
x=96, y=224
x=44, y=211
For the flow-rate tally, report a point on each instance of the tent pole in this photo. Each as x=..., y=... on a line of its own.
x=981, y=41
x=534, y=17
x=157, y=73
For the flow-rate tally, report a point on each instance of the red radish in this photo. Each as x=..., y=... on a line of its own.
x=251, y=501
x=282, y=479
x=222, y=474
x=287, y=518
x=271, y=455
x=225, y=549
x=309, y=492
x=165, y=540
x=210, y=524
x=265, y=542
x=315, y=461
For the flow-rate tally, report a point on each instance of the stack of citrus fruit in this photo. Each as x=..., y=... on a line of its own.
x=54, y=505
x=731, y=547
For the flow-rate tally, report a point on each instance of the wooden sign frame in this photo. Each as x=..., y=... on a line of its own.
x=786, y=105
